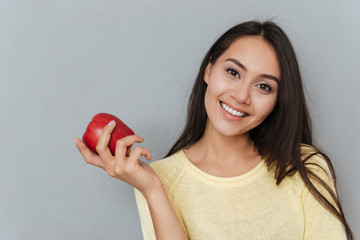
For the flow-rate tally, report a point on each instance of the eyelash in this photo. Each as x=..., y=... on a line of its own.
x=233, y=72
x=262, y=86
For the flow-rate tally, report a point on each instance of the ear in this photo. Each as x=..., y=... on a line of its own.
x=207, y=73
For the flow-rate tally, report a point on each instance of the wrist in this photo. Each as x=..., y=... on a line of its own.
x=156, y=190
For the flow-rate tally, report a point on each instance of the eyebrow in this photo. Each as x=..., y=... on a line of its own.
x=240, y=65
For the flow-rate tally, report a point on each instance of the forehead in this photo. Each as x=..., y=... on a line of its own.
x=256, y=54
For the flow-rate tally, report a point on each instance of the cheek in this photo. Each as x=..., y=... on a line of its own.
x=208, y=99
x=217, y=85
x=211, y=101
x=215, y=89
x=266, y=106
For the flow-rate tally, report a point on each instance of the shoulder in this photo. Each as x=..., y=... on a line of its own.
x=320, y=172
x=169, y=168
x=317, y=162
x=171, y=163
x=320, y=223
x=316, y=166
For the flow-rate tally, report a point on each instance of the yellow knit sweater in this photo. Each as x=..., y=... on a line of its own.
x=250, y=206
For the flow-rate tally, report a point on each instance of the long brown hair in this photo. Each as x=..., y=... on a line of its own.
x=279, y=137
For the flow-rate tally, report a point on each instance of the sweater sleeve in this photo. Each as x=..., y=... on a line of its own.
x=319, y=222
x=168, y=171
x=147, y=226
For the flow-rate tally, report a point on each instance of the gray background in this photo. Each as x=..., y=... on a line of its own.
x=61, y=62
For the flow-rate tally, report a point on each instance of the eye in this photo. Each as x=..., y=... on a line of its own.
x=233, y=72
x=264, y=87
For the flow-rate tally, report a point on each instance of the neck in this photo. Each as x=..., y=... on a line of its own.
x=218, y=147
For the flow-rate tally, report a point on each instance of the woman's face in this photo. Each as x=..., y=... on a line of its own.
x=242, y=86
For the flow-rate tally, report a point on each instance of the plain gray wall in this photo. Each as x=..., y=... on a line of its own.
x=61, y=62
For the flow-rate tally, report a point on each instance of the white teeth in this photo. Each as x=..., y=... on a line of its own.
x=232, y=111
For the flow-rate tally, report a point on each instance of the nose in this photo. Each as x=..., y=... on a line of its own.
x=241, y=93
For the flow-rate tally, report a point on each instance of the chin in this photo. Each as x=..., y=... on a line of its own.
x=232, y=132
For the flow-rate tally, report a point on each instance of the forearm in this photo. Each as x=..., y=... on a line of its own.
x=167, y=225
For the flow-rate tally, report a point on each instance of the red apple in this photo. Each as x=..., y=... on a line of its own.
x=98, y=122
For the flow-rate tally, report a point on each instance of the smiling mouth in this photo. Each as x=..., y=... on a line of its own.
x=232, y=111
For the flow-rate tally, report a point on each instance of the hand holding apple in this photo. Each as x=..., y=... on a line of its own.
x=106, y=132
x=130, y=169
x=98, y=122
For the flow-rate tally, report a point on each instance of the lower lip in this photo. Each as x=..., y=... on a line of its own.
x=231, y=117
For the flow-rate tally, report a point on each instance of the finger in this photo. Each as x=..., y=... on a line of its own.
x=123, y=167
x=89, y=156
x=123, y=146
x=138, y=152
x=103, y=142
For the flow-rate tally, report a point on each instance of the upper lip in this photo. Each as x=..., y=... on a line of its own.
x=234, y=108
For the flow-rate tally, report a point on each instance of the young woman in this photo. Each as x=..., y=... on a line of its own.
x=245, y=166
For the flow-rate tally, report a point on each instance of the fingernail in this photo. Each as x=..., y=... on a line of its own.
x=75, y=141
x=111, y=123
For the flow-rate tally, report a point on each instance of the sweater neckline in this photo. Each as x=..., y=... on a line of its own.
x=213, y=178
